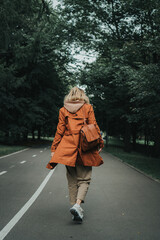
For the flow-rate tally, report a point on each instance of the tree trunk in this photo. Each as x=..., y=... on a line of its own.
x=157, y=140
x=107, y=127
x=134, y=135
x=6, y=137
x=33, y=135
x=25, y=135
x=106, y=138
x=39, y=133
x=145, y=139
x=146, y=136
x=127, y=137
x=18, y=137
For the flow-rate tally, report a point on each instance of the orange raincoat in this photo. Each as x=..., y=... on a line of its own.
x=65, y=144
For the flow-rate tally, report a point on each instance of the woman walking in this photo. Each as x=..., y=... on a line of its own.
x=65, y=148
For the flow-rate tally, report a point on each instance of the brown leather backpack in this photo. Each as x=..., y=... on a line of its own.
x=89, y=137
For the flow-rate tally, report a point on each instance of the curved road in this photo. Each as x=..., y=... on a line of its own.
x=122, y=204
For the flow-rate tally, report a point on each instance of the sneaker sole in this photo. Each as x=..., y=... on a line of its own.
x=76, y=215
x=77, y=220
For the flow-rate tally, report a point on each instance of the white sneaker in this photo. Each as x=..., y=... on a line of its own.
x=77, y=212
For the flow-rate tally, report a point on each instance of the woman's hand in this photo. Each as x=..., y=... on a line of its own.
x=52, y=153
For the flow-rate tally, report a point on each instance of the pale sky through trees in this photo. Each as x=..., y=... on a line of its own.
x=55, y=2
x=83, y=56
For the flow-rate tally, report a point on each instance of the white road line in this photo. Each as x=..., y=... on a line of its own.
x=41, y=151
x=22, y=162
x=23, y=210
x=14, y=153
x=1, y=173
x=34, y=155
x=12, y=166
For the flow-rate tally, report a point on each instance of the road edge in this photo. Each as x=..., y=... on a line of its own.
x=131, y=166
x=14, y=153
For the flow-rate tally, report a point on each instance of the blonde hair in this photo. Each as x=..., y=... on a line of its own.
x=76, y=93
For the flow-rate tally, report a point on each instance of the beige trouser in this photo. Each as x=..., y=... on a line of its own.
x=79, y=178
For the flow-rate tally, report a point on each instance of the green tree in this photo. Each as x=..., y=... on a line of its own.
x=126, y=36
x=33, y=62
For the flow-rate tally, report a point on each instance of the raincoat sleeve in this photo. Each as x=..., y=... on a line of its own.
x=60, y=131
x=92, y=120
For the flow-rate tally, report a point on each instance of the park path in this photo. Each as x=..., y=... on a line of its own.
x=122, y=204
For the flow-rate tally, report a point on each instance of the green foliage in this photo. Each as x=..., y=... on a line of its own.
x=123, y=83
x=33, y=59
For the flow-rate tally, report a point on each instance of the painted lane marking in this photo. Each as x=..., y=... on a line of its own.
x=12, y=166
x=41, y=151
x=14, y=153
x=1, y=173
x=34, y=155
x=22, y=162
x=23, y=210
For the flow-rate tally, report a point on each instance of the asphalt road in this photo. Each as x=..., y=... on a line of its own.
x=122, y=204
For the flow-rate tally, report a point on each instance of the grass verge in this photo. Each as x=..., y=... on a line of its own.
x=147, y=164
x=5, y=149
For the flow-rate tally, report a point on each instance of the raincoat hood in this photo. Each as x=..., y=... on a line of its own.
x=73, y=106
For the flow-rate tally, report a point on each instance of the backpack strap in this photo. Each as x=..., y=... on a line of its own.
x=84, y=118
